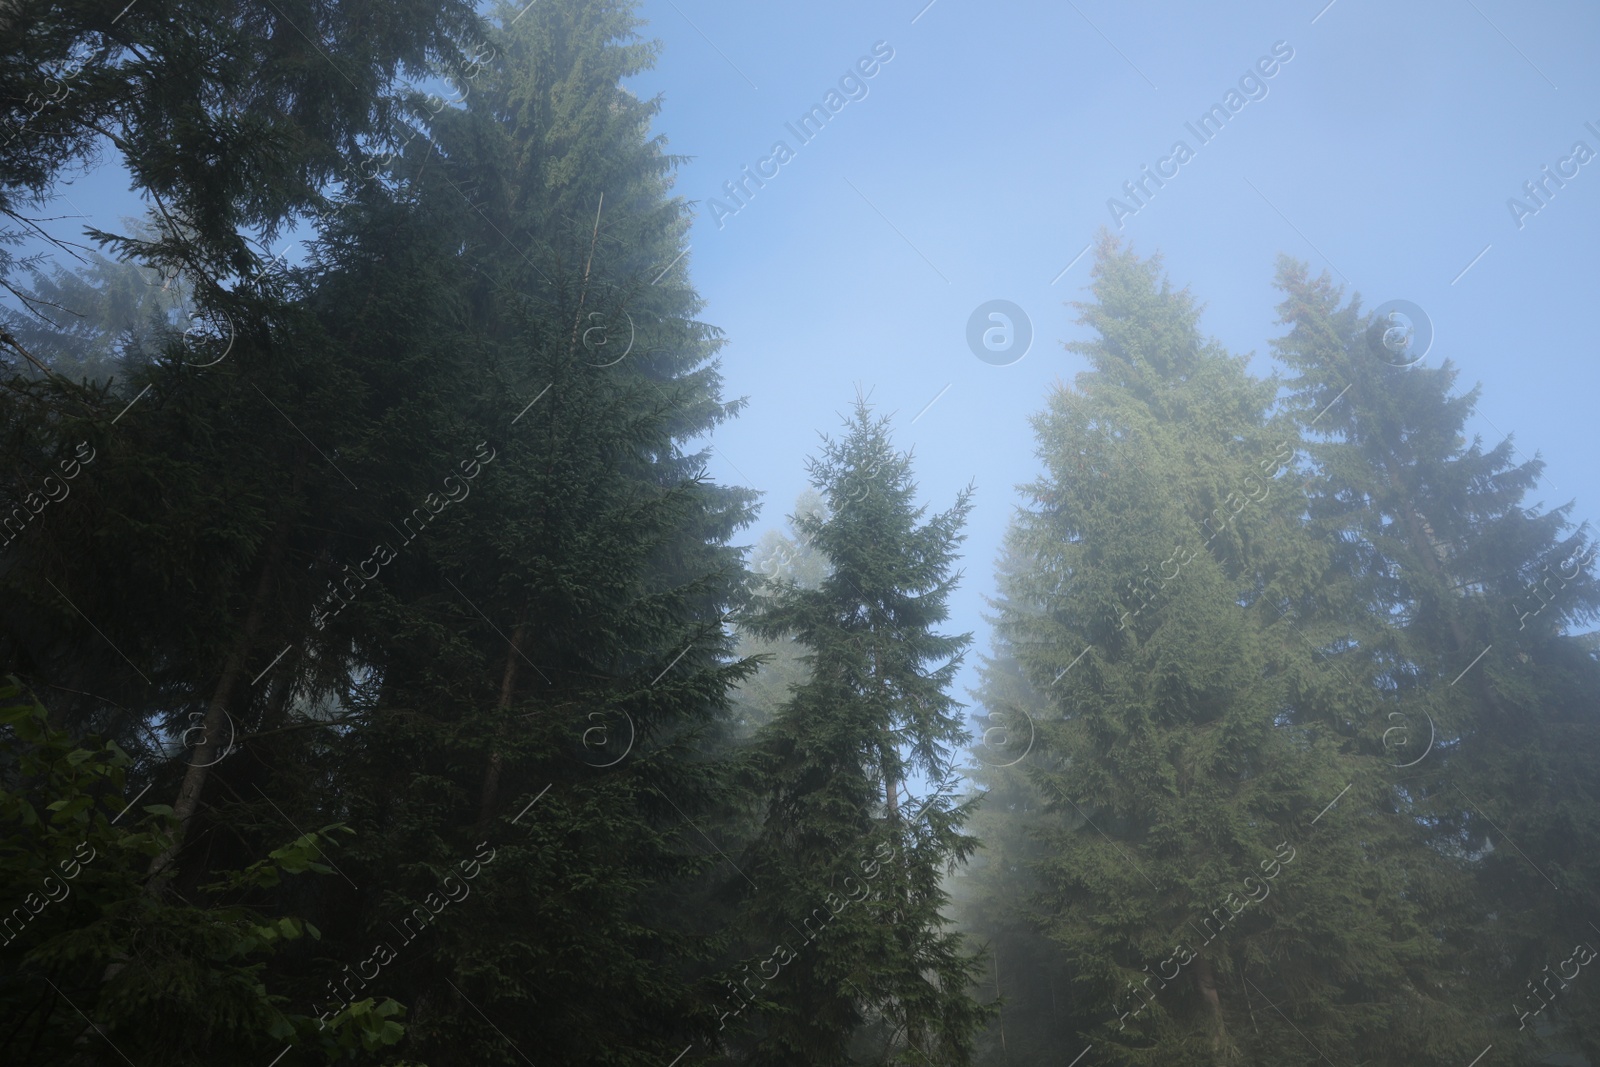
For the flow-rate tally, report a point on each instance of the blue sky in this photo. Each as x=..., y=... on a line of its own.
x=981, y=159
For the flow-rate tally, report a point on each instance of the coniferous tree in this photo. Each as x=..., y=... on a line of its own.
x=196, y=543
x=845, y=877
x=100, y=322
x=400, y=565
x=356, y=393
x=550, y=669
x=1467, y=593
x=216, y=123
x=1187, y=844
x=231, y=117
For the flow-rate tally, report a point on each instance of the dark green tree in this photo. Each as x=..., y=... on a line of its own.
x=547, y=662
x=846, y=881
x=229, y=545
x=230, y=117
x=102, y=321
x=95, y=968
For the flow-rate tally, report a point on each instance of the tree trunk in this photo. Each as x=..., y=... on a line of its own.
x=508, y=685
x=891, y=788
x=1205, y=981
x=216, y=730
x=1000, y=1015
x=281, y=692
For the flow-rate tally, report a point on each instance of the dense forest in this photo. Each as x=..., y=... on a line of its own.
x=384, y=679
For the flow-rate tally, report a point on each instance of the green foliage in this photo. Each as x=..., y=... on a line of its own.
x=874, y=976
x=1444, y=568
x=412, y=542
x=83, y=934
x=1156, y=606
x=231, y=117
x=99, y=322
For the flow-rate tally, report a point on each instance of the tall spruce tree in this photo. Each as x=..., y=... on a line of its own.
x=549, y=662
x=104, y=321
x=1468, y=594
x=845, y=879
x=189, y=975
x=229, y=120
x=1189, y=843
x=169, y=600
x=270, y=542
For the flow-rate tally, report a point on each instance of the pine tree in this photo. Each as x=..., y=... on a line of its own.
x=77, y=844
x=103, y=321
x=210, y=113
x=242, y=469
x=197, y=543
x=846, y=881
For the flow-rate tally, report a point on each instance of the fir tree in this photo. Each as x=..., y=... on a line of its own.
x=230, y=118
x=1189, y=846
x=353, y=388
x=846, y=881
x=550, y=666
x=100, y=322
x=1467, y=593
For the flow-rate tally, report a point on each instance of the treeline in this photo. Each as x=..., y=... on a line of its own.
x=368, y=610
x=1288, y=757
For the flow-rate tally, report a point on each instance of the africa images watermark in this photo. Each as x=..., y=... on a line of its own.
x=1577, y=562
x=12, y=525
x=885, y=852
x=384, y=555
x=1583, y=950
x=33, y=904
x=1221, y=915
x=368, y=167
x=852, y=86
x=423, y=915
x=999, y=332
x=1252, y=86
x=1540, y=191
